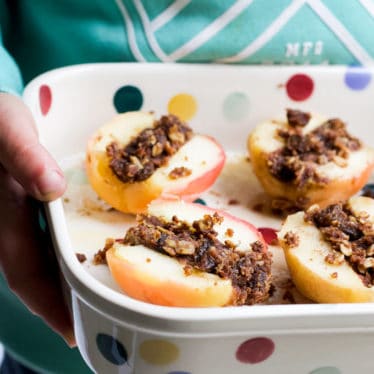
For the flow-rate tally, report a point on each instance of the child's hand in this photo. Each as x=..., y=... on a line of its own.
x=26, y=169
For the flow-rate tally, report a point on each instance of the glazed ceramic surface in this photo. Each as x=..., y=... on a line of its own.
x=117, y=334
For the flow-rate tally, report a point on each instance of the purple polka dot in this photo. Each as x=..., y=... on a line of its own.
x=255, y=350
x=357, y=78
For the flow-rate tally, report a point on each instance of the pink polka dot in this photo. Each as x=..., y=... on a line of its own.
x=45, y=99
x=255, y=350
x=299, y=87
x=269, y=235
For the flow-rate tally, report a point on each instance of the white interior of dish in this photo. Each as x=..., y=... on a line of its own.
x=82, y=100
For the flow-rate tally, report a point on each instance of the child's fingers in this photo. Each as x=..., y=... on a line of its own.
x=26, y=262
x=23, y=156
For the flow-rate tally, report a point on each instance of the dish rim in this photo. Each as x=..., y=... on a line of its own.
x=84, y=283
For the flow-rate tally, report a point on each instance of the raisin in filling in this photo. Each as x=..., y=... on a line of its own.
x=297, y=161
x=151, y=149
x=351, y=238
x=196, y=246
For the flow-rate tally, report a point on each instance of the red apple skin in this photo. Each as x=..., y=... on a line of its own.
x=193, y=189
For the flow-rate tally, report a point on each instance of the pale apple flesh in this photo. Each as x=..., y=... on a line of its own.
x=202, y=156
x=150, y=276
x=313, y=276
x=158, y=279
x=343, y=180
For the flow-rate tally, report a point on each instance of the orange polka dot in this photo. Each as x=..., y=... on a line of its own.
x=183, y=105
x=158, y=352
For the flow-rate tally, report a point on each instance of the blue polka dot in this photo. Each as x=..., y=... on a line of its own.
x=179, y=372
x=111, y=349
x=357, y=78
x=127, y=99
x=200, y=201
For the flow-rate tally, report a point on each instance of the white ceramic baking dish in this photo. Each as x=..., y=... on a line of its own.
x=117, y=334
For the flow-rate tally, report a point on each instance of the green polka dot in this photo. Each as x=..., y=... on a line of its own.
x=158, y=352
x=326, y=370
x=236, y=106
x=127, y=99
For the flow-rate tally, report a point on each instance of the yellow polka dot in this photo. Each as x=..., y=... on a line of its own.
x=158, y=352
x=183, y=105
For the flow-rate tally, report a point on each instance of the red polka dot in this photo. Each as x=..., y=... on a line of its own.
x=45, y=99
x=299, y=87
x=255, y=350
x=269, y=234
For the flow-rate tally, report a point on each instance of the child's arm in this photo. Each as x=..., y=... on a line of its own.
x=26, y=169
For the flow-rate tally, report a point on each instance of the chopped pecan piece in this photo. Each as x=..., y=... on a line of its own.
x=180, y=172
x=297, y=118
x=291, y=239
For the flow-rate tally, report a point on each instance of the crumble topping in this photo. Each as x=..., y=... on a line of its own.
x=180, y=172
x=196, y=246
x=291, y=239
x=229, y=232
x=297, y=118
x=297, y=161
x=284, y=207
x=81, y=257
x=100, y=256
x=148, y=151
x=350, y=236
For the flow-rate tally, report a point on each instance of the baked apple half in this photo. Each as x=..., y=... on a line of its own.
x=135, y=159
x=330, y=251
x=308, y=159
x=187, y=255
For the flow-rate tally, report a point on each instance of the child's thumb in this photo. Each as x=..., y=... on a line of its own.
x=23, y=156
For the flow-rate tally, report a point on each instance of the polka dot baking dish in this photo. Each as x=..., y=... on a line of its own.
x=119, y=334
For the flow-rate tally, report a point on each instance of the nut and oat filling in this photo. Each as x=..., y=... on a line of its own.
x=351, y=237
x=297, y=161
x=196, y=246
x=148, y=151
